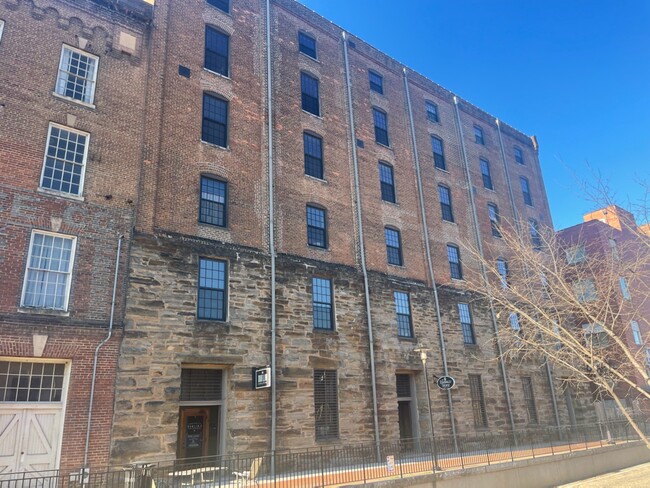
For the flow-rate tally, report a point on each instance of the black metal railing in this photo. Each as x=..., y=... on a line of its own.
x=336, y=465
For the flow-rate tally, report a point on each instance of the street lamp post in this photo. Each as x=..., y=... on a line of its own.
x=422, y=351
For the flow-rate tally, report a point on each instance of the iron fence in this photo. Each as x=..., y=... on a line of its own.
x=335, y=464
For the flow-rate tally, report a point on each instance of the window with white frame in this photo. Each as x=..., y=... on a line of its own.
x=576, y=254
x=77, y=75
x=48, y=273
x=65, y=160
x=625, y=290
x=636, y=332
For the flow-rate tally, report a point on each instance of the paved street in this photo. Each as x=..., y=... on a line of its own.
x=634, y=477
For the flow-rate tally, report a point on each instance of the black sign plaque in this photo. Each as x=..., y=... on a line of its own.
x=446, y=382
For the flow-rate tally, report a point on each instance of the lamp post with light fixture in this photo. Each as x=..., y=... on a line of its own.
x=422, y=351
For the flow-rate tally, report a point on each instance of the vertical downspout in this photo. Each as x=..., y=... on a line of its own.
x=427, y=247
x=479, y=243
x=549, y=373
x=99, y=346
x=362, y=251
x=269, y=98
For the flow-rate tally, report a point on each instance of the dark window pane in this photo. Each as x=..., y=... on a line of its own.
x=376, y=82
x=221, y=4
x=453, y=255
x=216, y=51
x=529, y=397
x=326, y=404
x=387, y=183
x=309, y=88
x=535, y=238
x=307, y=45
x=438, y=153
x=478, y=401
x=403, y=311
x=485, y=172
x=393, y=246
x=322, y=303
x=495, y=219
x=519, y=156
x=316, y=227
x=313, y=156
x=478, y=135
x=525, y=190
x=381, y=127
x=215, y=120
x=432, y=112
x=445, y=203
x=212, y=290
x=213, y=202
x=466, y=324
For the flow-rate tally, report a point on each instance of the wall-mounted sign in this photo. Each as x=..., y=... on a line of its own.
x=261, y=378
x=446, y=382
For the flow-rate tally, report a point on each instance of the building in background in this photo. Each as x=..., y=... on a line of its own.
x=614, y=249
x=72, y=92
x=288, y=197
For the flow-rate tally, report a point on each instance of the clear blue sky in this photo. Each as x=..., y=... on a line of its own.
x=575, y=73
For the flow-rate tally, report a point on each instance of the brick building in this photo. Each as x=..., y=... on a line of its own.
x=610, y=242
x=289, y=197
x=72, y=89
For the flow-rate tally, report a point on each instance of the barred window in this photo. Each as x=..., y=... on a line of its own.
x=77, y=75
x=381, y=126
x=495, y=219
x=49, y=271
x=636, y=332
x=519, y=156
x=478, y=401
x=65, y=160
x=485, y=172
x=376, y=82
x=307, y=45
x=221, y=4
x=217, y=46
x=502, y=269
x=212, y=289
x=466, y=324
x=215, y=120
x=529, y=398
x=309, y=90
x=432, y=112
x=393, y=246
x=438, y=153
x=322, y=303
x=444, y=194
x=478, y=135
x=201, y=385
x=455, y=267
x=403, y=310
x=31, y=382
x=313, y=147
x=403, y=386
x=326, y=405
x=316, y=226
x=214, y=194
x=525, y=191
x=387, y=183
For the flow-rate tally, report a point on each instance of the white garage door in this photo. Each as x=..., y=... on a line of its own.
x=31, y=415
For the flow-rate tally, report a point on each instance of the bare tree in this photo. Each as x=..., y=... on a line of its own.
x=568, y=301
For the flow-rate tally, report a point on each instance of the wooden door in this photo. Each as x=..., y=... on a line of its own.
x=195, y=424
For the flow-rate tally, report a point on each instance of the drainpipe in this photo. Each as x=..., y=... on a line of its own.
x=269, y=98
x=549, y=373
x=362, y=252
x=479, y=243
x=427, y=247
x=99, y=346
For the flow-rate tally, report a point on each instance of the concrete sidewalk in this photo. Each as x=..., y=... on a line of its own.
x=634, y=477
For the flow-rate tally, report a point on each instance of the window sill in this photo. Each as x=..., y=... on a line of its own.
x=60, y=194
x=489, y=189
x=458, y=280
x=407, y=339
x=76, y=102
x=452, y=222
x=207, y=225
x=322, y=181
x=212, y=144
x=471, y=346
x=400, y=266
x=331, y=332
x=433, y=121
x=317, y=117
x=217, y=74
x=384, y=145
x=444, y=170
x=309, y=57
x=43, y=311
x=393, y=204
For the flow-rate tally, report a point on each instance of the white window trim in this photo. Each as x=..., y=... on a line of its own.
x=93, y=79
x=68, y=285
x=82, y=179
